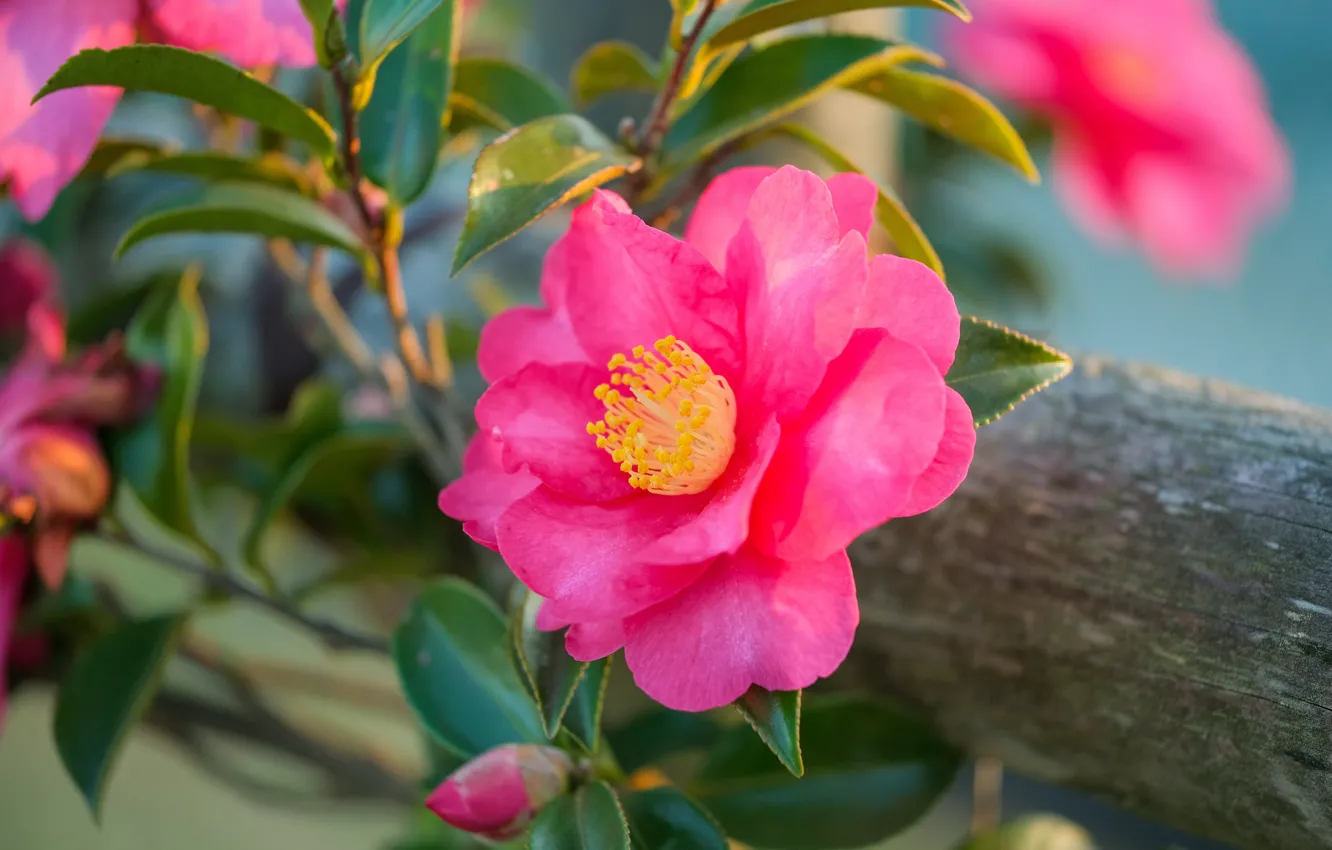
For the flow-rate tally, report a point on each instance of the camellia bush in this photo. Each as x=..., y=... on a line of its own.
x=720, y=388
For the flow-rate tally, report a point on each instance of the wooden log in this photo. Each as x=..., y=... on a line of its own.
x=1130, y=595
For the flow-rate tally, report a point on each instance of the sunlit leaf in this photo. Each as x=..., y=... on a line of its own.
x=997, y=368
x=611, y=66
x=501, y=95
x=760, y=16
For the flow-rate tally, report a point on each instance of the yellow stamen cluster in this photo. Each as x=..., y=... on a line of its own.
x=670, y=420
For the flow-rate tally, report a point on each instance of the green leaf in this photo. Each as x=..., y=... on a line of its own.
x=665, y=819
x=197, y=77
x=169, y=332
x=583, y=720
x=457, y=673
x=762, y=16
x=608, y=67
x=775, y=716
x=110, y=153
x=588, y=819
x=245, y=208
x=1033, y=832
x=387, y=23
x=952, y=109
x=531, y=170
x=330, y=41
x=889, y=210
x=275, y=171
x=552, y=675
x=106, y=692
x=402, y=127
x=996, y=368
x=870, y=771
x=660, y=732
x=498, y=94
x=770, y=83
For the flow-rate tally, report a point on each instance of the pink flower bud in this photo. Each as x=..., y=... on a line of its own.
x=498, y=793
x=27, y=277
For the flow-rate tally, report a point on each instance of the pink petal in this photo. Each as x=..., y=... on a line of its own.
x=946, y=473
x=849, y=462
x=1088, y=189
x=27, y=277
x=720, y=210
x=595, y=640
x=525, y=335
x=541, y=415
x=1190, y=222
x=485, y=490
x=43, y=147
x=248, y=32
x=853, y=196
x=630, y=284
x=908, y=300
x=750, y=620
x=13, y=570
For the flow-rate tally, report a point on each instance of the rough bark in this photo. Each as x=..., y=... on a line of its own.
x=1132, y=595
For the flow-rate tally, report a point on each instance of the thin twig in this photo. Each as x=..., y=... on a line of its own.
x=987, y=785
x=333, y=635
x=658, y=119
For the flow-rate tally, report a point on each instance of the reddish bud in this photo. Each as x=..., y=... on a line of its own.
x=498, y=793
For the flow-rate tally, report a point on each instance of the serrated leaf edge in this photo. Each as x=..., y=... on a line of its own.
x=767, y=740
x=1064, y=360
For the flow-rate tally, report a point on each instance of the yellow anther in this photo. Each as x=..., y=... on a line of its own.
x=617, y=378
x=626, y=467
x=638, y=352
x=686, y=407
x=600, y=391
x=612, y=397
x=602, y=442
x=616, y=361
x=591, y=427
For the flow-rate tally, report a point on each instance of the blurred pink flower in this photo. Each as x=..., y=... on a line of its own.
x=1162, y=130
x=27, y=277
x=677, y=449
x=498, y=793
x=43, y=147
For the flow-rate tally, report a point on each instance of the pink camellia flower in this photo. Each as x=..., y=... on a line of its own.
x=1161, y=125
x=43, y=147
x=53, y=477
x=498, y=793
x=677, y=449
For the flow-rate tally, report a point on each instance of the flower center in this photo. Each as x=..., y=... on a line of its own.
x=1126, y=74
x=670, y=420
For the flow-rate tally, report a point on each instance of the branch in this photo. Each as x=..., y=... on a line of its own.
x=1131, y=594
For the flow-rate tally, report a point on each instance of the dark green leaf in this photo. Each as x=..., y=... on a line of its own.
x=588, y=819
x=611, y=66
x=768, y=84
x=870, y=771
x=531, y=170
x=106, y=692
x=457, y=673
x=170, y=332
x=275, y=171
x=583, y=719
x=951, y=108
x=996, y=368
x=387, y=23
x=250, y=209
x=658, y=733
x=551, y=673
x=666, y=819
x=498, y=94
x=761, y=16
x=326, y=27
x=775, y=716
x=197, y=77
x=402, y=127
x=889, y=211
x=1033, y=832
x=112, y=152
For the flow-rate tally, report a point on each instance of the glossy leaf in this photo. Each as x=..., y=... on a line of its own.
x=531, y=170
x=197, y=77
x=770, y=83
x=104, y=695
x=909, y=240
x=588, y=819
x=457, y=673
x=583, y=719
x=500, y=95
x=871, y=770
x=666, y=819
x=111, y=152
x=324, y=25
x=761, y=16
x=997, y=368
x=551, y=674
x=1033, y=832
x=658, y=733
x=170, y=332
x=251, y=209
x=953, y=109
x=775, y=716
x=608, y=67
x=402, y=127
x=275, y=171
x=385, y=24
